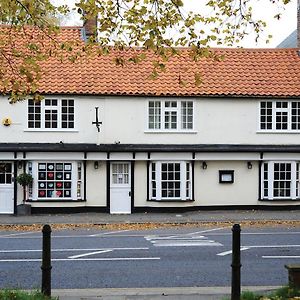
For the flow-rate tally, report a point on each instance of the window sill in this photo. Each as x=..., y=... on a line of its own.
x=278, y=131
x=172, y=131
x=279, y=199
x=53, y=201
x=170, y=200
x=50, y=130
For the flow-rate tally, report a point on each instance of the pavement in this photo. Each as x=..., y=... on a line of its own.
x=177, y=293
x=269, y=217
x=232, y=216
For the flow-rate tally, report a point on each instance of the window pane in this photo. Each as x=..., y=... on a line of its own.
x=187, y=115
x=266, y=115
x=154, y=115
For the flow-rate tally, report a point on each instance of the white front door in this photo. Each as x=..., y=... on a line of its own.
x=6, y=189
x=120, y=188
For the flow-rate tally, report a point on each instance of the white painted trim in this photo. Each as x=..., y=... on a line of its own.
x=120, y=156
x=227, y=156
x=281, y=156
x=51, y=130
x=188, y=156
x=96, y=156
x=277, y=131
x=169, y=131
x=6, y=156
x=54, y=156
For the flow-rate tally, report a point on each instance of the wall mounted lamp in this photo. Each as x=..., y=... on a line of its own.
x=20, y=164
x=204, y=165
x=96, y=165
x=249, y=165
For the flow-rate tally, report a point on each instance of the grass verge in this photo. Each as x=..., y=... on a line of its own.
x=284, y=293
x=7, y=294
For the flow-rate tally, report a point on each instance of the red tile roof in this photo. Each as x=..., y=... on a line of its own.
x=243, y=73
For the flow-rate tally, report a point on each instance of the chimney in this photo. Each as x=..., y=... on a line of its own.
x=89, y=29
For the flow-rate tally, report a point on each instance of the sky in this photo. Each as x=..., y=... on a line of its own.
x=263, y=9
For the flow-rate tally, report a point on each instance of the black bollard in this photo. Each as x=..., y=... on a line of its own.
x=236, y=263
x=46, y=261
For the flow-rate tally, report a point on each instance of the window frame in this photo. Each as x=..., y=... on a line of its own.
x=60, y=113
x=277, y=112
x=268, y=179
x=155, y=181
x=159, y=118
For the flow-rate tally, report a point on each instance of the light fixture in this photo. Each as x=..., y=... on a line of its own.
x=20, y=164
x=96, y=165
x=249, y=165
x=204, y=165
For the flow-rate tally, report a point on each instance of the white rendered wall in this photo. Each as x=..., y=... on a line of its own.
x=96, y=184
x=244, y=190
x=217, y=121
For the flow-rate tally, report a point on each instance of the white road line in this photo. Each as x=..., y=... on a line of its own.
x=90, y=253
x=70, y=250
x=18, y=233
x=273, y=246
x=208, y=230
x=256, y=233
x=185, y=243
x=107, y=233
x=274, y=256
x=182, y=244
x=259, y=246
x=230, y=251
x=83, y=259
x=150, y=238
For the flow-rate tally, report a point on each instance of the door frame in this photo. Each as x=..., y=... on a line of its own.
x=108, y=183
x=13, y=185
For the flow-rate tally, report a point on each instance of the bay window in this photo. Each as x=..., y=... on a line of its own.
x=280, y=180
x=56, y=180
x=170, y=180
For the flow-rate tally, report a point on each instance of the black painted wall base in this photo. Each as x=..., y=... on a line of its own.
x=85, y=209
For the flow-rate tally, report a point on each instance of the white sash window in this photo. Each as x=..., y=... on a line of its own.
x=170, y=180
x=280, y=180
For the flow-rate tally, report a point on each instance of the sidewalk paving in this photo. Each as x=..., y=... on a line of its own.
x=233, y=216
x=176, y=293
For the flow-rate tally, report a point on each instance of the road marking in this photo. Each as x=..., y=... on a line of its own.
x=90, y=253
x=277, y=256
x=186, y=244
x=192, y=239
x=84, y=259
x=107, y=233
x=258, y=246
x=71, y=249
x=19, y=233
x=230, y=251
x=209, y=230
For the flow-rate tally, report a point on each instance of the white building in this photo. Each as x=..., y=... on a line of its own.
x=163, y=144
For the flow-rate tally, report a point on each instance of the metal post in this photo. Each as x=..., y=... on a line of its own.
x=236, y=263
x=46, y=261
